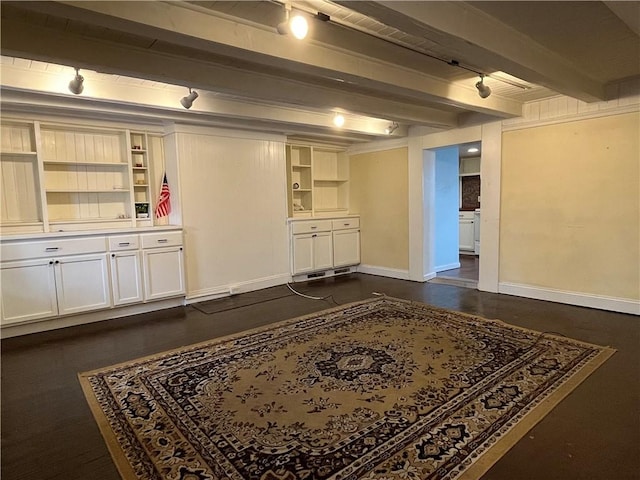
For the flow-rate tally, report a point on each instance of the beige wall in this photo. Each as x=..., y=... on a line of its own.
x=378, y=192
x=570, y=213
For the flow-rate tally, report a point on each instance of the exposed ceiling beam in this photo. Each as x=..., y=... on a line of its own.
x=475, y=35
x=180, y=24
x=628, y=12
x=40, y=43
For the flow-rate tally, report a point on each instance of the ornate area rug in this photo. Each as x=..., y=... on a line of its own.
x=383, y=389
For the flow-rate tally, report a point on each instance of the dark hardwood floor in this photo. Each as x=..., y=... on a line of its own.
x=48, y=432
x=469, y=268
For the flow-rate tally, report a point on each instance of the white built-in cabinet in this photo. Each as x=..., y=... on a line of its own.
x=324, y=244
x=467, y=239
x=318, y=181
x=126, y=269
x=61, y=177
x=47, y=278
x=163, y=262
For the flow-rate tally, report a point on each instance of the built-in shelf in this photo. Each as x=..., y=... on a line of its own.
x=88, y=220
x=18, y=153
x=85, y=164
x=75, y=190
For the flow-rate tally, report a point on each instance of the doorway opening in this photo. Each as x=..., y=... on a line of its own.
x=457, y=217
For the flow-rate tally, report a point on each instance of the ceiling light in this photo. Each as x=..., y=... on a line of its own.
x=473, y=150
x=299, y=27
x=189, y=99
x=296, y=25
x=338, y=120
x=76, y=85
x=391, y=128
x=483, y=90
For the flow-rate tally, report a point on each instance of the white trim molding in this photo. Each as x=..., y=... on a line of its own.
x=46, y=324
x=450, y=266
x=236, y=288
x=614, y=304
x=385, y=272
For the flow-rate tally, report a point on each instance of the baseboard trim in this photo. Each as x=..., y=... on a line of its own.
x=384, y=272
x=44, y=325
x=235, y=288
x=614, y=304
x=450, y=266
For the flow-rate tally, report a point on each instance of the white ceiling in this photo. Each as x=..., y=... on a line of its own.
x=375, y=61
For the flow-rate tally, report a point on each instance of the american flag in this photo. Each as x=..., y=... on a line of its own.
x=163, y=207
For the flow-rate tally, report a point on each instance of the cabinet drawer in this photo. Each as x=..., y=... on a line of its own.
x=165, y=239
x=50, y=248
x=123, y=242
x=345, y=223
x=465, y=215
x=311, y=226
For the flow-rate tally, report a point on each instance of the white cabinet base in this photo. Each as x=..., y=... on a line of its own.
x=163, y=272
x=28, y=291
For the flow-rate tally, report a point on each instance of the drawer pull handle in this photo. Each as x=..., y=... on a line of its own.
x=52, y=249
x=124, y=244
x=347, y=224
x=312, y=228
x=163, y=240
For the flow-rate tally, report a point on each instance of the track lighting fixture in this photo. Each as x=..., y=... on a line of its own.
x=296, y=25
x=76, y=84
x=483, y=90
x=189, y=99
x=338, y=120
x=391, y=128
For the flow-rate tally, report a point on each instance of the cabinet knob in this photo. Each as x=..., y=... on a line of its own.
x=180, y=248
x=57, y=262
x=50, y=262
x=113, y=255
x=314, y=235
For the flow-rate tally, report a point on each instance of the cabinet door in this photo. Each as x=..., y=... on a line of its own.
x=302, y=253
x=82, y=283
x=28, y=291
x=346, y=248
x=126, y=277
x=163, y=272
x=322, y=251
x=466, y=235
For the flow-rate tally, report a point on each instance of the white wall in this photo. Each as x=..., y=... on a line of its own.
x=232, y=197
x=446, y=229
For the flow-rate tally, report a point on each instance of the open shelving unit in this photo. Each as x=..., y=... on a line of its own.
x=58, y=177
x=141, y=175
x=21, y=200
x=318, y=181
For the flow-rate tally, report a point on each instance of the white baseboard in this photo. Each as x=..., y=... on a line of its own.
x=450, y=266
x=235, y=288
x=622, y=305
x=43, y=325
x=384, y=272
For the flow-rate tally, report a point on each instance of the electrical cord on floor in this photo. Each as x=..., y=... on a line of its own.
x=312, y=297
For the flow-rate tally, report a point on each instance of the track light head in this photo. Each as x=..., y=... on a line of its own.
x=483, y=90
x=296, y=25
x=187, y=101
x=76, y=84
x=391, y=128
